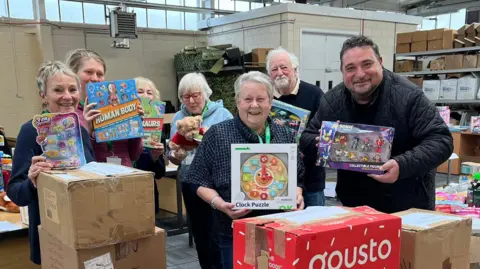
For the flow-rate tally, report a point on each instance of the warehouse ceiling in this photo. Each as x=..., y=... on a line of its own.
x=413, y=7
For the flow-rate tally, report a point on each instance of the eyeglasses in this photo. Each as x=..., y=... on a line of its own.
x=194, y=95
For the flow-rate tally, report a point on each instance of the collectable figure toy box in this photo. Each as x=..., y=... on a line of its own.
x=118, y=103
x=294, y=118
x=152, y=122
x=356, y=147
x=264, y=176
x=60, y=138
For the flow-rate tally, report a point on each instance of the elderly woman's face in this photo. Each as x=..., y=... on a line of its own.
x=146, y=92
x=194, y=101
x=254, y=104
x=62, y=94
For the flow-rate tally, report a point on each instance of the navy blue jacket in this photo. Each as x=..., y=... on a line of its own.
x=145, y=163
x=20, y=189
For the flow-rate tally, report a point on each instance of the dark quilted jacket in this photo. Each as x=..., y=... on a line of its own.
x=422, y=142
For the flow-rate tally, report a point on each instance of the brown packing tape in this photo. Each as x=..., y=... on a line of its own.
x=262, y=260
x=279, y=243
x=250, y=234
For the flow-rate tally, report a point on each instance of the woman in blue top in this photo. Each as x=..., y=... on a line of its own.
x=194, y=93
x=60, y=93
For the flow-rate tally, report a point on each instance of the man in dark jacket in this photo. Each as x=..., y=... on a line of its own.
x=372, y=95
x=282, y=66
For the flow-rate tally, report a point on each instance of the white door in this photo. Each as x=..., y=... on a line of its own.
x=320, y=58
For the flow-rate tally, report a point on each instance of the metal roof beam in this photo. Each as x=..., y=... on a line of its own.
x=158, y=6
x=443, y=7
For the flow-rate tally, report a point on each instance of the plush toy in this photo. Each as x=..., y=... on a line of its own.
x=7, y=205
x=187, y=136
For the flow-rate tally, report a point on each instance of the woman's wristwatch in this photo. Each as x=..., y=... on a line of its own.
x=212, y=202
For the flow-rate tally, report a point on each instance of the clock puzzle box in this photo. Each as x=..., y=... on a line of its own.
x=264, y=176
x=118, y=103
x=356, y=147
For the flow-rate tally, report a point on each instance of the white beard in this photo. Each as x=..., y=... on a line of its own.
x=282, y=83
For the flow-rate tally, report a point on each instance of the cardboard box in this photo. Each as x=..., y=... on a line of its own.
x=457, y=43
x=318, y=237
x=404, y=66
x=434, y=240
x=96, y=205
x=467, y=87
x=473, y=28
x=437, y=64
x=470, y=61
x=462, y=29
x=417, y=81
x=259, y=55
x=435, y=45
x=454, y=62
x=475, y=249
x=448, y=89
x=404, y=38
x=149, y=252
x=419, y=46
x=431, y=89
x=436, y=34
x=402, y=48
x=419, y=36
x=24, y=215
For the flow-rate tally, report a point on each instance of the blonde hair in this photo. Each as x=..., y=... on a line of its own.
x=75, y=59
x=194, y=81
x=141, y=82
x=50, y=69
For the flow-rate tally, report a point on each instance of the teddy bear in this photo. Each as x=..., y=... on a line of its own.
x=186, y=138
x=7, y=205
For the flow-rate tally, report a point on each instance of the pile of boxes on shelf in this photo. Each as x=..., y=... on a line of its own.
x=452, y=86
x=340, y=237
x=99, y=216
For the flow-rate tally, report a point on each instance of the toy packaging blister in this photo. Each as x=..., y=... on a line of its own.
x=60, y=137
x=154, y=111
x=475, y=124
x=117, y=101
x=264, y=176
x=356, y=147
x=293, y=117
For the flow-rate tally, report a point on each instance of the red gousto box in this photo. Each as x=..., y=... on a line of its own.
x=318, y=238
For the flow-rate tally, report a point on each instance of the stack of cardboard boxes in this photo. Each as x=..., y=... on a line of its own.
x=99, y=216
x=339, y=237
x=468, y=36
x=419, y=41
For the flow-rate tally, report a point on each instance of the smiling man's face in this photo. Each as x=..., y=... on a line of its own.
x=362, y=71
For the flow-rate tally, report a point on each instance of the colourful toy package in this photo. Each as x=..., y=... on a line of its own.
x=60, y=138
x=264, y=176
x=152, y=121
x=356, y=147
x=475, y=124
x=117, y=101
x=293, y=117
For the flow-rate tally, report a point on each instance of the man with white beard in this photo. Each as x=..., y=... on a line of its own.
x=282, y=66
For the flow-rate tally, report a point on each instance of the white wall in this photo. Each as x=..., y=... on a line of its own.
x=23, y=48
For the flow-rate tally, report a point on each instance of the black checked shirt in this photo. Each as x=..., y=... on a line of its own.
x=211, y=166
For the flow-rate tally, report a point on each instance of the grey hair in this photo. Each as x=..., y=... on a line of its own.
x=253, y=76
x=293, y=59
x=192, y=81
x=50, y=69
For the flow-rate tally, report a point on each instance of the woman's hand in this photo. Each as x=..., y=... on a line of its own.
x=157, y=152
x=140, y=109
x=39, y=164
x=90, y=114
x=227, y=208
x=300, y=201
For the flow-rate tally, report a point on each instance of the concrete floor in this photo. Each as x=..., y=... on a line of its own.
x=181, y=256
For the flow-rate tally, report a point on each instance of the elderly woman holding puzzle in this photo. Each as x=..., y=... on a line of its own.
x=247, y=166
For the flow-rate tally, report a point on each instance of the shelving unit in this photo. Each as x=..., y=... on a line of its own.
x=468, y=70
x=437, y=52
